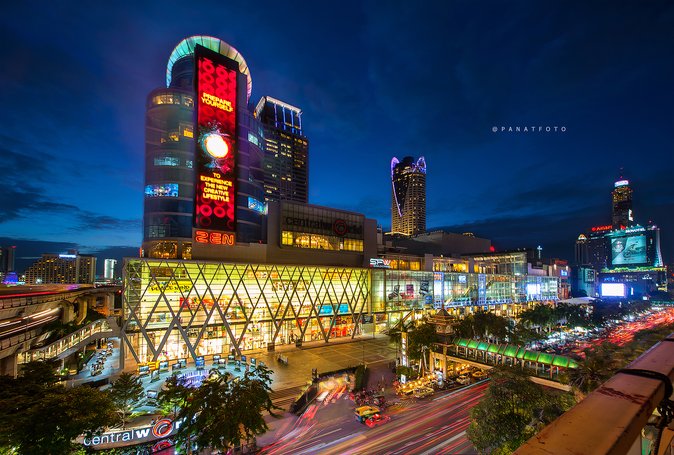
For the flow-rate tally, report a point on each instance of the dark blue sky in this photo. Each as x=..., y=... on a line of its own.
x=375, y=80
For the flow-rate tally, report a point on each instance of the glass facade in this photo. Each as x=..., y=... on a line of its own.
x=184, y=309
x=176, y=309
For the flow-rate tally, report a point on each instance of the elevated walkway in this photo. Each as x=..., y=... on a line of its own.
x=62, y=348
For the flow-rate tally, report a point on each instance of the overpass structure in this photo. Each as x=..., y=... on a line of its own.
x=543, y=368
x=25, y=311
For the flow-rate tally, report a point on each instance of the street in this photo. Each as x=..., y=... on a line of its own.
x=434, y=425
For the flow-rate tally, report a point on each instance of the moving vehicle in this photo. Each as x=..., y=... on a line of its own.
x=364, y=412
x=377, y=419
x=463, y=379
x=479, y=374
x=423, y=392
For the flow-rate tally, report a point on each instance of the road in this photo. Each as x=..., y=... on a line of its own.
x=434, y=425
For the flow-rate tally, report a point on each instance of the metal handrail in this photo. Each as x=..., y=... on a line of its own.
x=610, y=419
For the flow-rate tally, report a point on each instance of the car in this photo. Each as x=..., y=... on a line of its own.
x=479, y=374
x=376, y=419
x=365, y=412
x=463, y=379
x=423, y=392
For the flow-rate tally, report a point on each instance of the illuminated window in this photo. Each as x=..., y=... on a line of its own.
x=174, y=136
x=163, y=190
x=188, y=101
x=163, y=99
x=188, y=163
x=286, y=238
x=166, y=161
x=188, y=132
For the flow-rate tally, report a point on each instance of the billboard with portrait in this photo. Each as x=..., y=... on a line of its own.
x=216, y=148
x=628, y=250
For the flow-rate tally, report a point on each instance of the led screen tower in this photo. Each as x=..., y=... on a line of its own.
x=622, y=204
x=408, y=196
x=171, y=161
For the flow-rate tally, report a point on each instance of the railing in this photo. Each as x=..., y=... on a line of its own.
x=610, y=420
x=101, y=326
x=17, y=302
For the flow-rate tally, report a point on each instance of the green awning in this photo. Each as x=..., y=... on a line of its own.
x=545, y=358
x=482, y=345
x=531, y=355
x=520, y=353
x=461, y=342
x=502, y=348
x=561, y=361
x=493, y=348
x=472, y=344
x=511, y=350
x=573, y=363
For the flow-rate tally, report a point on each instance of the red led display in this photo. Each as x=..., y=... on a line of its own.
x=215, y=185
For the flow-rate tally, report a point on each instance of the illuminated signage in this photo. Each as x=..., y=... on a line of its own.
x=67, y=256
x=214, y=215
x=380, y=263
x=254, y=204
x=620, y=183
x=214, y=237
x=628, y=250
x=338, y=226
x=403, y=349
x=612, y=290
x=163, y=190
x=161, y=429
x=606, y=227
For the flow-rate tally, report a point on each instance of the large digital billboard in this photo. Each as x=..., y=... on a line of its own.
x=628, y=250
x=216, y=148
x=612, y=290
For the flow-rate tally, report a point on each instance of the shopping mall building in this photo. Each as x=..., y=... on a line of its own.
x=224, y=269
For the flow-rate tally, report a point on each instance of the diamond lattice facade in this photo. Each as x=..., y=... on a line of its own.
x=186, y=309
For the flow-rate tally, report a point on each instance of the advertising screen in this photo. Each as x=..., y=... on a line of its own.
x=162, y=190
x=216, y=148
x=628, y=250
x=612, y=290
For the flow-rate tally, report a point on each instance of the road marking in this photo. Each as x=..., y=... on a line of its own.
x=435, y=449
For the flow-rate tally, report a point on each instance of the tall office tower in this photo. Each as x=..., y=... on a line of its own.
x=286, y=161
x=408, y=196
x=70, y=268
x=170, y=162
x=582, y=256
x=622, y=204
x=109, y=269
x=7, y=259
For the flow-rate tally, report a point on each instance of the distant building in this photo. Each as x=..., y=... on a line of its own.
x=582, y=255
x=622, y=204
x=70, y=268
x=109, y=269
x=286, y=157
x=408, y=196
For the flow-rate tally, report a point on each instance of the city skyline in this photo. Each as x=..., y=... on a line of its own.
x=75, y=170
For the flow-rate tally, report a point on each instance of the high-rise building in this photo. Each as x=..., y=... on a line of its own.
x=408, y=196
x=109, y=269
x=286, y=159
x=622, y=204
x=170, y=162
x=582, y=256
x=70, y=268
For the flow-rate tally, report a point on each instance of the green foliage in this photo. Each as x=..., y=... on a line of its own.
x=513, y=409
x=224, y=411
x=360, y=377
x=126, y=392
x=409, y=372
x=40, y=416
x=484, y=325
x=421, y=336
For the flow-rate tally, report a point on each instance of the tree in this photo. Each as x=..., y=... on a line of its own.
x=126, y=392
x=420, y=338
x=40, y=416
x=597, y=367
x=539, y=316
x=204, y=408
x=513, y=409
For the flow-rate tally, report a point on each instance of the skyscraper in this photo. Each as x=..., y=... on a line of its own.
x=70, y=268
x=622, y=204
x=286, y=159
x=109, y=269
x=408, y=196
x=170, y=155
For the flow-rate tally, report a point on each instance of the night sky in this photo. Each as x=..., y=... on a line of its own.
x=375, y=80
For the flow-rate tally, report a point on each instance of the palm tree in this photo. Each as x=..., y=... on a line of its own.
x=598, y=366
